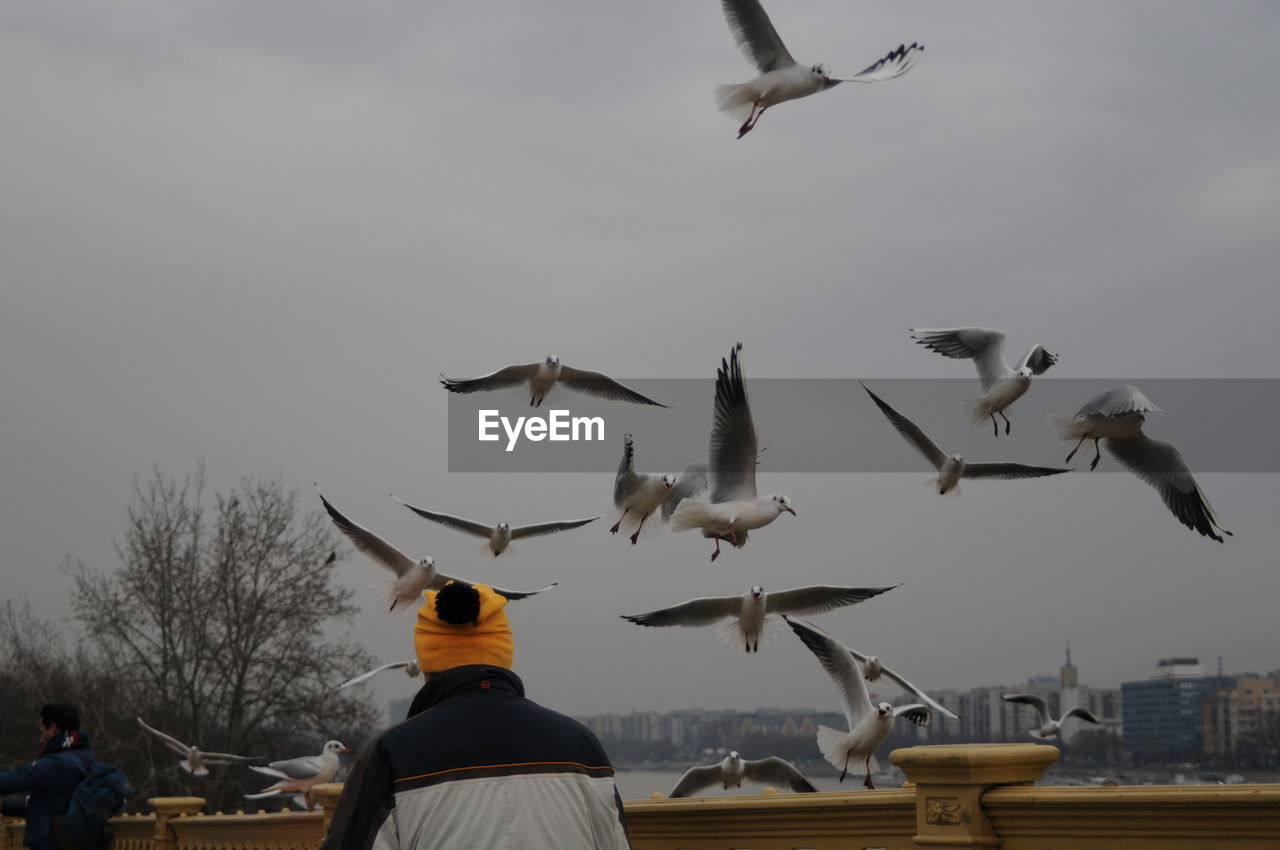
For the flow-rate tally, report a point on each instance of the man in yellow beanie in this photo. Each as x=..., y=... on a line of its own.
x=477, y=765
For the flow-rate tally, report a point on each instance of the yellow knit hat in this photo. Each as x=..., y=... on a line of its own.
x=462, y=624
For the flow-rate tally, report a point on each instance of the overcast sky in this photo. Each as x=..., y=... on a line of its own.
x=254, y=233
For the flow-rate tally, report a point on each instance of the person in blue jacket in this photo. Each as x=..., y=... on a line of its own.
x=48, y=782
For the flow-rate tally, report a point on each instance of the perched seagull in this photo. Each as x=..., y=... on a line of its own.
x=734, y=508
x=1050, y=727
x=869, y=724
x=954, y=467
x=412, y=577
x=637, y=494
x=747, y=614
x=1118, y=416
x=541, y=377
x=734, y=768
x=193, y=759
x=781, y=79
x=1001, y=386
x=301, y=773
x=410, y=668
x=500, y=535
x=873, y=669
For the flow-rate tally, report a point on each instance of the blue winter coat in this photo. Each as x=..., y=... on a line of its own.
x=49, y=780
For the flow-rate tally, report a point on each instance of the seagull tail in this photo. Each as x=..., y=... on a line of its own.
x=1068, y=429
x=691, y=513
x=832, y=744
x=735, y=100
x=271, y=793
x=385, y=592
x=975, y=411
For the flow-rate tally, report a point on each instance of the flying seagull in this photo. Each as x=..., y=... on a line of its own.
x=873, y=669
x=193, y=759
x=730, y=772
x=301, y=773
x=869, y=724
x=500, y=535
x=1001, y=386
x=1117, y=416
x=951, y=468
x=410, y=668
x=637, y=494
x=734, y=508
x=781, y=78
x=747, y=614
x=541, y=377
x=412, y=577
x=1050, y=728
x=691, y=482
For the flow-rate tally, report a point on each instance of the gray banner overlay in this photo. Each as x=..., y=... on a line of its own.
x=831, y=425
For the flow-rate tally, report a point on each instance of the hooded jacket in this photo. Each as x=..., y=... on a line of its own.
x=477, y=765
x=49, y=780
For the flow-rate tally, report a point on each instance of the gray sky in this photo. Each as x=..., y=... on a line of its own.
x=255, y=233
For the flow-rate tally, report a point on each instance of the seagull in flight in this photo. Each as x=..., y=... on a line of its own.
x=781, y=78
x=1001, y=386
x=541, y=377
x=193, y=758
x=951, y=468
x=1051, y=728
x=873, y=668
x=500, y=535
x=730, y=772
x=409, y=667
x=637, y=494
x=733, y=508
x=301, y=773
x=747, y=614
x=1117, y=416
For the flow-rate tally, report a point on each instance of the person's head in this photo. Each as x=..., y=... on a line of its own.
x=462, y=624
x=58, y=717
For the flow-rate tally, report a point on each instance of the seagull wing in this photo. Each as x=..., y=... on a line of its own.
x=982, y=345
x=368, y=542
x=1037, y=359
x=168, y=740
x=933, y=704
x=369, y=674
x=1117, y=402
x=507, y=376
x=627, y=479
x=458, y=523
x=1162, y=466
x=755, y=36
x=303, y=767
x=441, y=580
x=840, y=666
x=695, y=779
x=911, y=432
x=1009, y=470
x=1083, y=714
x=917, y=712
x=695, y=612
x=777, y=771
x=733, y=436
x=817, y=598
x=228, y=758
x=895, y=63
x=601, y=386
x=549, y=527
x=1034, y=700
x=689, y=483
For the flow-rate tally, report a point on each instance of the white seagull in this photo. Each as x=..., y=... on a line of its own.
x=637, y=494
x=734, y=508
x=193, y=758
x=748, y=614
x=869, y=724
x=1001, y=386
x=500, y=535
x=873, y=668
x=410, y=668
x=301, y=773
x=692, y=481
x=951, y=468
x=781, y=78
x=412, y=577
x=541, y=377
x=1117, y=416
x=1050, y=728
x=731, y=770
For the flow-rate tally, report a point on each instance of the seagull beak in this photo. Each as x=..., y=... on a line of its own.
x=792, y=511
x=345, y=750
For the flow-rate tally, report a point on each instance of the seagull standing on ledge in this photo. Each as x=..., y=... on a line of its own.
x=301, y=773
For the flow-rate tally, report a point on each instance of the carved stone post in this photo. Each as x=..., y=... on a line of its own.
x=166, y=809
x=950, y=781
x=327, y=794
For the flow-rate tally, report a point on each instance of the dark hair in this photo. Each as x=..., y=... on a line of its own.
x=66, y=716
x=458, y=604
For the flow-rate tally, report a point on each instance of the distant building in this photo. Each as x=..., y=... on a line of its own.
x=1164, y=715
x=1234, y=716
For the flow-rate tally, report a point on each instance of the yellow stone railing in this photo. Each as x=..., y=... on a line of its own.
x=969, y=796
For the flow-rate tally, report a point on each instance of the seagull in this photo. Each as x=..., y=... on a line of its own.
x=734, y=768
x=1118, y=416
x=734, y=508
x=1051, y=727
x=412, y=577
x=781, y=78
x=748, y=613
x=869, y=724
x=500, y=535
x=541, y=377
x=193, y=759
x=410, y=668
x=1001, y=386
x=873, y=669
x=954, y=467
x=637, y=494
x=301, y=773
x=691, y=482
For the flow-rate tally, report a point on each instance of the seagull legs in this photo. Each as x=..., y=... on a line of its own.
x=716, y=554
x=636, y=536
x=1007, y=424
x=995, y=426
x=614, y=530
x=1072, y=453
x=754, y=117
x=1097, y=454
x=867, y=782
